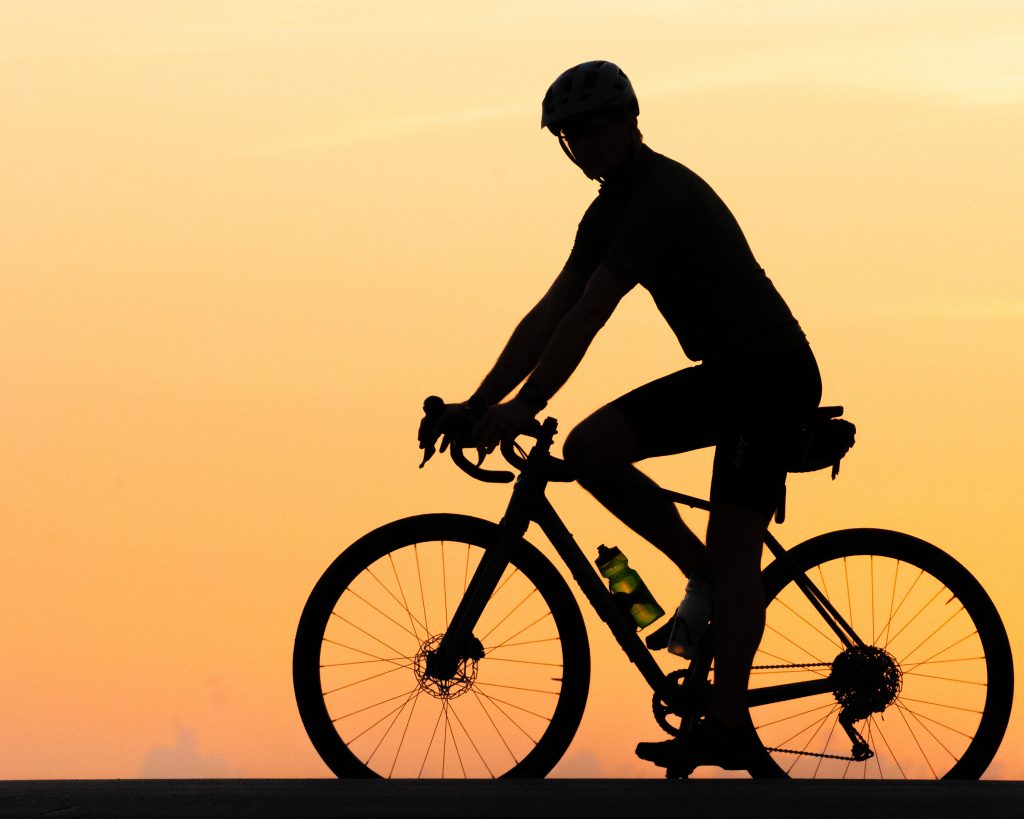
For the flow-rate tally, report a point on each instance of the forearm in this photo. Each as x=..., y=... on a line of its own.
x=521, y=354
x=561, y=357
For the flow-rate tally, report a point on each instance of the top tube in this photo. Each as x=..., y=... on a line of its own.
x=541, y=462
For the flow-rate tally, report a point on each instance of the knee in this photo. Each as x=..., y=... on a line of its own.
x=603, y=439
x=579, y=447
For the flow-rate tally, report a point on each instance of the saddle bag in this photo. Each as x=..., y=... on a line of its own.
x=822, y=442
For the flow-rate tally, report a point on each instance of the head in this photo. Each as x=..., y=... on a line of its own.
x=592, y=109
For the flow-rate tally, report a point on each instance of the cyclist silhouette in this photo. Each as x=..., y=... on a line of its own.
x=656, y=223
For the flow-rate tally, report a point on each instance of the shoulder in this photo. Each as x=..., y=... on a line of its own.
x=660, y=177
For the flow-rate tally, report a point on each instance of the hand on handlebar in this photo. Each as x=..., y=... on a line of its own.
x=449, y=422
x=502, y=422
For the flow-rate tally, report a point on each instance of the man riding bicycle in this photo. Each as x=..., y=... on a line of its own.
x=657, y=224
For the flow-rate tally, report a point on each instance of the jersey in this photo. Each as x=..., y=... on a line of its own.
x=658, y=224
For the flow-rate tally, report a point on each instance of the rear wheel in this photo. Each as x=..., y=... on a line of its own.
x=366, y=698
x=934, y=682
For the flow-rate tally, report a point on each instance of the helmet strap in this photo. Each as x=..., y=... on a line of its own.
x=565, y=149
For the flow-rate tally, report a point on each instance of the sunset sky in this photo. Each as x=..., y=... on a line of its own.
x=240, y=241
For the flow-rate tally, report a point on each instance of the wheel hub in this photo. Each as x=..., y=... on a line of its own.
x=868, y=681
x=448, y=688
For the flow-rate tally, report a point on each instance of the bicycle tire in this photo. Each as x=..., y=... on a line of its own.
x=930, y=616
x=371, y=711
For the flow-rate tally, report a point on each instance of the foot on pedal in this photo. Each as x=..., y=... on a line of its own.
x=732, y=748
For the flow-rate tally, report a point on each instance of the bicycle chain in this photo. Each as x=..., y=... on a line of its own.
x=812, y=753
x=803, y=752
x=789, y=750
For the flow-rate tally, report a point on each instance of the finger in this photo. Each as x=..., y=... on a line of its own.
x=489, y=434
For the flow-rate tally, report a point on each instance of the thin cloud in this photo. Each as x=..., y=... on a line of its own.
x=184, y=760
x=391, y=127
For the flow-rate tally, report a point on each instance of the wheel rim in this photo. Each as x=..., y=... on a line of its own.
x=391, y=714
x=921, y=637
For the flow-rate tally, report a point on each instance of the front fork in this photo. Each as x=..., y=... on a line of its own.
x=458, y=642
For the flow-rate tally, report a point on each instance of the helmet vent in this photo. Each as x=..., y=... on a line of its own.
x=588, y=88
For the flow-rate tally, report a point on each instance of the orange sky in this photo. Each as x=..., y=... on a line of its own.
x=241, y=241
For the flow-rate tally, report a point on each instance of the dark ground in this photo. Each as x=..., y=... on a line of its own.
x=585, y=798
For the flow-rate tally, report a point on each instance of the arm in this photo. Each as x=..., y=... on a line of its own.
x=575, y=332
x=524, y=348
x=560, y=357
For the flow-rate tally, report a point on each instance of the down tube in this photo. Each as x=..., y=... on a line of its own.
x=622, y=626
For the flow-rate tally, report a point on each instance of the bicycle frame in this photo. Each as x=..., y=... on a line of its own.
x=529, y=504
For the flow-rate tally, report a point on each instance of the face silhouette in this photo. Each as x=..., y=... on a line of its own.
x=599, y=144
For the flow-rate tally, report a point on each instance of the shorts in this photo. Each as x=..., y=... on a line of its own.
x=746, y=408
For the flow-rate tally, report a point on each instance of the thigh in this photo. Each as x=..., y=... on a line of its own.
x=676, y=413
x=766, y=401
x=603, y=438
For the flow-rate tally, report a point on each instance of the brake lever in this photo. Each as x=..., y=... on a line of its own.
x=433, y=406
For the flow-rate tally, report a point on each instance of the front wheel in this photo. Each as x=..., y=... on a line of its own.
x=366, y=698
x=934, y=678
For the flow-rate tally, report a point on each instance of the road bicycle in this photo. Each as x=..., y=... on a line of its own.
x=443, y=646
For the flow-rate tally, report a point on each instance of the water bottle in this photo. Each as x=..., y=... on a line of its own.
x=623, y=580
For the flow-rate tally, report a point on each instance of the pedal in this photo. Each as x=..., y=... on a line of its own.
x=668, y=755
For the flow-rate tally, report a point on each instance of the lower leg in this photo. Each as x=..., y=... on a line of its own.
x=654, y=519
x=735, y=539
x=605, y=441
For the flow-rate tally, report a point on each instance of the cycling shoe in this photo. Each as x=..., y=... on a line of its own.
x=732, y=748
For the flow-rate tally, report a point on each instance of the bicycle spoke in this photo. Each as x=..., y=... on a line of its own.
x=525, y=643
x=433, y=736
x=918, y=715
x=365, y=679
x=471, y=742
x=518, y=688
x=458, y=755
x=828, y=739
x=496, y=703
x=914, y=617
x=830, y=638
x=828, y=705
x=376, y=659
x=524, y=662
x=909, y=654
x=404, y=602
x=362, y=630
x=383, y=614
x=940, y=705
x=894, y=614
x=512, y=611
x=871, y=585
x=497, y=730
x=932, y=661
x=405, y=733
x=892, y=600
x=917, y=742
x=546, y=615
x=849, y=600
x=419, y=577
x=890, y=755
x=944, y=679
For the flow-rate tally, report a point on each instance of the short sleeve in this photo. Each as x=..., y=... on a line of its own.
x=593, y=238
